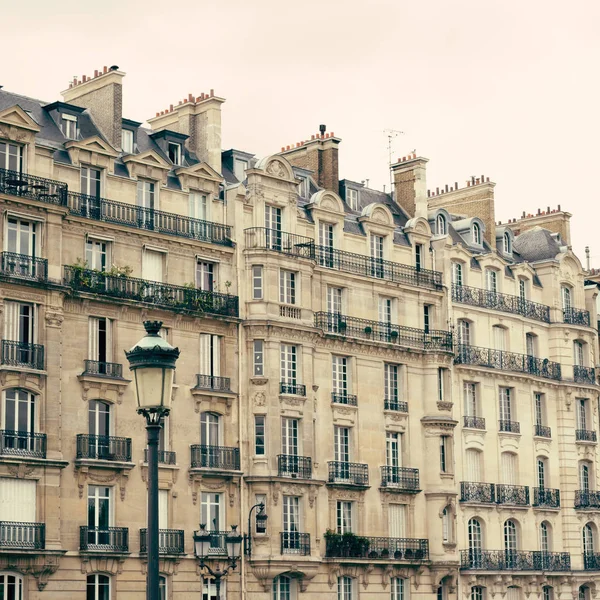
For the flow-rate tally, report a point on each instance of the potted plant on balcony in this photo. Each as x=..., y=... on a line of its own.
x=398, y=554
x=393, y=335
x=385, y=553
x=373, y=554
x=341, y=326
x=368, y=330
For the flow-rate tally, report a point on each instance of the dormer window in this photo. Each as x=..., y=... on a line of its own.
x=506, y=243
x=68, y=126
x=127, y=141
x=440, y=225
x=174, y=151
x=477, y=234
x=352, y=198
x=303, y=187
x=239, y=169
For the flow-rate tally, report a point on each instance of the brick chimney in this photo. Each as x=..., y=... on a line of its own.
x=555, y=220
x=410, y=185
x=320, y=155
x=102, y=94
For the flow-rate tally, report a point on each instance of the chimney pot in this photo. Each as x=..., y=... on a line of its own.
x=70, y=84
x=414, y=155
x=456, y=185
x=288, y=148
x=312, y=137
x=283, y=148
x=170, y=107
x=190, y=97
x=95, y=72
x=559, y=207
x=468, y=184
x=212, y=93
x=428, y=193
x=105, y=69
x=332, y=134
x=446, y=187
x=487, y=179
x=437, y=190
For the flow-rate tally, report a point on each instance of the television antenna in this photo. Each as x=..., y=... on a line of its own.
x=392, y=134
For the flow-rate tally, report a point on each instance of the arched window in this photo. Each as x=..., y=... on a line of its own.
x=545, y=536
x=345, y=588
x=399, y=589
x=282, y=588
x=162, y=587
x=584, y=593
x=588, y=539
x=476, y=233
x=440, y=225
x=513, y=593
x=457, y=273
x=11, y=586
x=475, y=535
x=98, y=587
x=19, y=421
x=477, y=593
x=209, y=429
x=510, y=543
x=506, y=243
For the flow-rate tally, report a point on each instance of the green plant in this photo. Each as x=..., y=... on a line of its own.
x=346, y=545
x=116, y=271
x=368, y=330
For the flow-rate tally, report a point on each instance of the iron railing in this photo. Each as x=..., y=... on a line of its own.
x=24, y=267
x=517, y=560
x=507, y=361
x=130, y=215
x=502, y=302
x=290, y=465
x=546, y=497
x=379, y=331
x=212, y=382
x=165, y=457
x=103, y=369
x=585, y=435
x=576, y=316
x=543, y=431
x=587, y=499
x=400, y=478
x=108, y=539
x=474, y=491
x=591, y=561
x=104, y=447
x=395, y=405
x=474, y=422
x=294, y=542
x=170, y=541
x=224, y=458
x=515, y=495
x=22, y=443
x=384, y=548
x=509, y=426
x=347, y=473
x=45, y=190
x=343, y=398
x=584, y=374
x=295, y=389
x=162, y=295
x=279, y=241
x=22, y=536
x=21, y=354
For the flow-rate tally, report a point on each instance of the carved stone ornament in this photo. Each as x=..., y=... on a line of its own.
x=277, y=169
x=259, y=399
x=113, y=565
x=116, y=475
x=168, y=565
x=41, y=566
x=54, y=318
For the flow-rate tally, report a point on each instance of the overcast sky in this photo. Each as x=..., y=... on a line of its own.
x=508, y=89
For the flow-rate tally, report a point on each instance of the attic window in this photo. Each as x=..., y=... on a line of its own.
x=239, y=169
x=506, y=243
x=68, y=126
x=175, y=153
x=440, y=225
x=476, y=234
x=303, y=187
x=127, y=141
x=352, y=198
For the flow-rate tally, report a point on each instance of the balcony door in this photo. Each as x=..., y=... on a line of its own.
x=289, y=365
x=99, y=429
x=90, y=193
x=21, y=237
x=210, y=356
x=17, y=509
x=505, y=405
x=510, y=543
x=475, y=543
x=290, y=445
x=19, y=419
x=212, y=515
x=334, y=300
x=341, y=451
x=100, y=342
x=584, y=477
x=340, y=375
x=326, y=256
x=210, y=439
x=291, y=522
x=20, y=327
x=145, y=199
x=376, y=255
x=11, y=157
x=273, y=227
x=99, y=515
x=510, y=469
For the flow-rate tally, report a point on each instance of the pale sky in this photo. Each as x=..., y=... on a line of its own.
x=508, y=89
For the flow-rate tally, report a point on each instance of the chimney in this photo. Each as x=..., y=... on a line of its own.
x=102, y=95
x=556, y=221
x=410, y=185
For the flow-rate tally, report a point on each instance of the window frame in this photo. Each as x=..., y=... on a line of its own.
x=257, y=282
x=258, y=358
x=260, y=435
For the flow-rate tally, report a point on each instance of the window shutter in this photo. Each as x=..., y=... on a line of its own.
x=109, y=356
x=152, y=266
x=17, y=500
x=205, y=354
x=397, y=520
x=216, y=355
x=163, y=519
x=11, y=321
x=93, y=338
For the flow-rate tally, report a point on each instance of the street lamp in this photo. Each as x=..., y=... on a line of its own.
x=152, y=361
x=203, y=544
x=261, y=522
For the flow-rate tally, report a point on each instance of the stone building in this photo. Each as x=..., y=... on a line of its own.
x=407, y=385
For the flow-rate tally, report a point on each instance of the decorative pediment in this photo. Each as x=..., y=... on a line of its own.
x=276, y=167
x=102, y=472
x=148, y=165
x=327, y=201
x=200, y=176
x=15, y=116
x=377, y=213
x=419, y=227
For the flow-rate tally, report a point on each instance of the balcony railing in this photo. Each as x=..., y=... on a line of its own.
x=585, y=435
x=22, y=443
x=515, y=495
x=591, y=561
x=382, y=548
x=342, y=398
x=395, y=405
x=474, y=491
x=474, y=422
x=576, y=316
x=379, y=331
x=23, y=266
x=297, y=467
x=104, y=447
x=19, y=184
x=295, y=389
x=543, y=431
x=130, y=215
x=509, y=426
x=584, y=374
x=165, y=457
x=170, y=541
x=162, y=295
x=293, y=542
x=507, y=361
x=103, y=369
x=546, y=497
x=400, y=478
x=109, y=539
x=21, y=354
x=279, y=241
x=347, y=473
x=223, y=458
x=587, y=499
x=502, y=302
x=212, y=382
x=517, y=560
x=22, y=536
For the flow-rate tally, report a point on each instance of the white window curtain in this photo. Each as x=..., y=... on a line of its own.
x=210, y=354
x=17, y=500
x=510, y=469
x=100, y=345
x=19, y=322
x=152, y=265
x=397, y=520
x=163, y=509
x=473, y=465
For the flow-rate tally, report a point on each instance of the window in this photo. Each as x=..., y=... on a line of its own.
x=419, y=256
x=541, y=471
x=513, y=593
x=304, y=187
x=259, y=435
x=445, y=461
x=291, y=523
x=258, y=358
x=393, y=449
x=385, y=309
x=578, y=353
x=523, y=291
x=547, y=593
x=510, y=468
x=287, y=287
x=127, y=141
x=239, y=169
x=473, y=464
x=464, y=332
x=174, y=152
x=566, y=297
x=210, y=355
x=206, y=276
x=99, y=515
x=477, y=593
x=11, y=157
x=282, y=586
x=326, y=234
x=475, y=535
x=470, y=397
x=96, y=254
x=390, y=383
x=540, y=409
x=531, y=344
x=20, y=326
x=209, y=590
x=162, y=587
x=260, y=525
x=499, y=334
x=344, y=516
x=17, y=505
x=20, y=418
x=506, y=412
x=377, y=247
x=457, y=273
x=440, y=225
x=510, y=539
x=68, y=126
x=427, y=311
x=397, y=520
x=289, y=364
x=584, y=477
x=476, y=231
x=545, y=539
x=257, y=282
x=21, y=238
x=99, y=428
x=491, y=280
x=210, y=429
x=345, y=588
x=100, y=342
x=352, y=198
x=506, y=243
x=145, y=198
x=334, y=300
x=212, y=514
x=582, y=413
x=340, y=375
x=153, y=266
x=90, y=182
x=446, y=525
x=198, y=207
x=584, y=593
x=397, y=589
x=588, y=539
x=341, y=444
x=289, y=436
x=98, y=587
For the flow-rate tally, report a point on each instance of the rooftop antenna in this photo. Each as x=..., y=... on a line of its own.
x=391, y=135
x=587, y=257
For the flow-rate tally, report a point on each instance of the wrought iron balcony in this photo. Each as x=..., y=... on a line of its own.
x=543, y=431
x=294, y=542
x=130, y=215
x=165, y=457
x=509, y=426
x=501, y=302
x=576, y=316
x=23, y=266
x=222, y=458
x=400, y=478
x=474, y=422
x=162, y=295
x=514, y=560
x=474, y=491
x=343, y=398
x=109, y=539
x=104, y=447
x=22, y=536
x=546, y=497
x=515, y=495
x=395, y=405
x=295, y=389
x=297, y=467
x=212, y=382
x=591, y=561
x=585, y=435
x=170, y=541
x=22, y=443
x=507, y=361
x=584, y=374
x=20, y=354
x=350, y=545
x=379, y=331
x=103, y=369
x=587, y=499
x=14, y=183
x=279, y=241
x=347, y=473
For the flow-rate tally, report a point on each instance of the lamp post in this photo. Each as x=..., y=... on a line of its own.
x=152, y=361
x=202, y=546
x=261, y=520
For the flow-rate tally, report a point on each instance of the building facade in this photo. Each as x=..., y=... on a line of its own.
x=406, y=384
